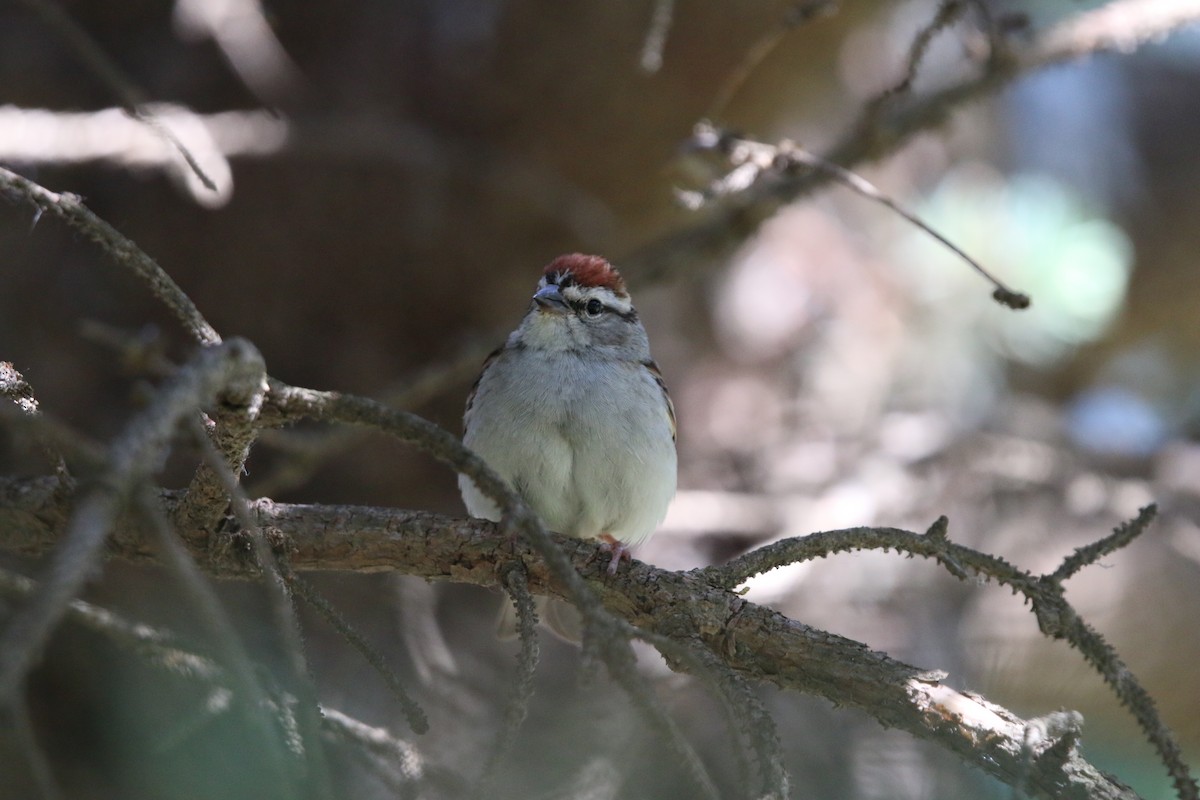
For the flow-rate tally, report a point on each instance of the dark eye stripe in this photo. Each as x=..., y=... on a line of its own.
x=629, y=316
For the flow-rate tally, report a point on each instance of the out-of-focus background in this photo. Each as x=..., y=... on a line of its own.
x=393, y=177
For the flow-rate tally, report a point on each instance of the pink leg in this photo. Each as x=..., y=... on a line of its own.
x=618, y=549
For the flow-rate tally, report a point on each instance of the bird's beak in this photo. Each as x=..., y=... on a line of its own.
x=549, y=298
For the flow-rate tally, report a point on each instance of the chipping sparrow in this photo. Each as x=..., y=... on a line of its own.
x=574, y=414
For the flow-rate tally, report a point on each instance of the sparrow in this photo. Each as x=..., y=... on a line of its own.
x=574, y=414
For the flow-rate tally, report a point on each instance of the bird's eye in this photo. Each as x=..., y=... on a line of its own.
x=593, y=307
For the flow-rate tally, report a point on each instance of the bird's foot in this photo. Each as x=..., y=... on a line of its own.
x=618, y=550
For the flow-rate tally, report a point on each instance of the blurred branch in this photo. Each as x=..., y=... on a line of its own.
x=799, y=14
x=132, y=456
x=162, y=649
x=393, y=759
x=41, y=136
x=241, y=30
x=107, y=71
x=758, y=643
x=1121, y=26
x=227, y=434
x=656, y=36
x=224, y=476
x=947, y=14
x=412, y=711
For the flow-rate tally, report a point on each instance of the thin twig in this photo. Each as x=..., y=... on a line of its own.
x=394, y=760
x=163, y=649
x=754, y=162
x=70, y=209
x=757, y=725
x=226, y=642
x=412, y=711
x=517, y=707
x=747, y=717
x=947, y=14
x=1124, y=533
x=232, y=429
x=158, y=646
x=1122, y=25
x=1003, y=294
x=306, y=452
x=625, y=673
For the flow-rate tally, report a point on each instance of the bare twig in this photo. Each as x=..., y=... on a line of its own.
x=747, y=717
x=70, y=209
x=224, y=639
x=1055, y=616
x=396, y=761
x=257, y=704
x=233, y=429
x=1057, y=619
x=163, y=649
x=623, y=669
x=947, y=14
x=757, y=161
x=1125, y=533
x=158, y=646
x=248, y=42
x=1121, y=26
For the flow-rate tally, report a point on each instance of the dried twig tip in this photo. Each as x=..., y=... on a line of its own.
x=1018, y=301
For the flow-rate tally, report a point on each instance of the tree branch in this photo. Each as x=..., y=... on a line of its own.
x=761, y=645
